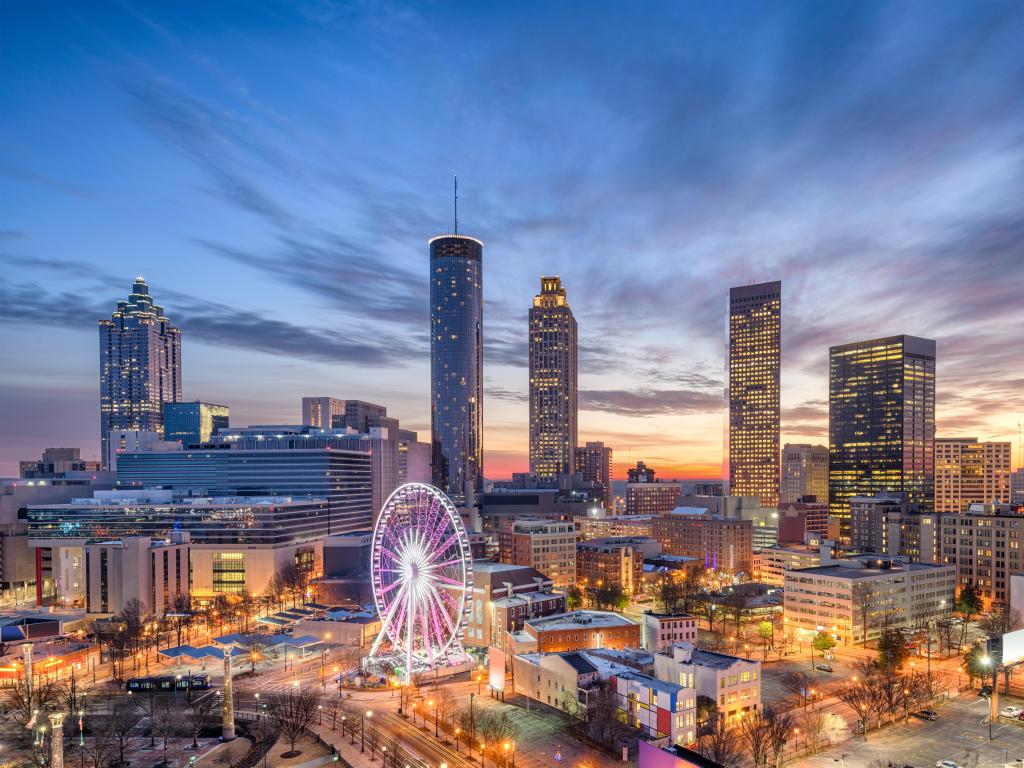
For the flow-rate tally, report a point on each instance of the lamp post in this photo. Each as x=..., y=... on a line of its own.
x=362, y=732
x=457, y=732
x=511, y=745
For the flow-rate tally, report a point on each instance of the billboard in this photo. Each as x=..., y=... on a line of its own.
x=1013, y=647
x=496, y=669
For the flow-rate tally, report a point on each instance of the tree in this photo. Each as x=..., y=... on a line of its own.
x=721, y=744
x=122, y=717
x=373, y=737
x=780, y=728
x=977, y=664
x=669, y=593
x=257, y=651
x=166, y=724
x=600, y=715
x=180, y=614
x=968, y=604
x=766, y=631
x=246, y=607
x=291, y=713
x=200, y=712
x=892, y=648
x=798, y=685
x=755, y=734
x=608, y=597
x=823, y=642
x=707, y=712
x=573, y=597
x=833, y=729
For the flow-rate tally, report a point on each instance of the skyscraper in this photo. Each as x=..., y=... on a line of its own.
x=456, y=365
x=594, y=465
x=970, y=472
x=881, y=421
x=140, y=365
x=552, y=352
x=755, y=354
x=322, y=412
x=194, y=422
x=804, y=472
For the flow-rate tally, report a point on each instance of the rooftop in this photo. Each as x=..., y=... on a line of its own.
x=575, y=619
x=857, y=570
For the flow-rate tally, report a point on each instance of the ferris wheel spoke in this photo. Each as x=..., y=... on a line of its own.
x=442, y=607
x=395, y=606
x=446, y=563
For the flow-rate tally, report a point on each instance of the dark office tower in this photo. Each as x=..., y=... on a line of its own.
x=140, y=366
x=881, y=422
x=553, y=390
x=456, y=365
x=195, y=422
x=755, y=355
x=594, y=465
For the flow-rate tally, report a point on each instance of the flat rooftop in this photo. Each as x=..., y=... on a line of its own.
x=861, y=572
x=577, y=619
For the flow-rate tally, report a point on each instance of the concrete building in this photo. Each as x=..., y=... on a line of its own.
x=575, y=631
x=708, y=489
x=122, y=441
x=193, y=423
x=504, y=598
x=724, y=544
x=502, y=507
x=594, y=465
x=140, y=365
x=57, y=463
x=733, y=683
x=553, y=388
x=799, y=519
x=984, y=545
x=775, y=561
x=804, y=472
x=456, y=366
x=755, y=366
x=653, y=498
x=321, y=412
x=881, y=422
x=152, y=571
x=546, y=545
x=610, y=561
x=570, y=681
x=853, y=599
x=602, y=527
x=888, y=524
x=970, y=472
x=1017, y=487
x=660, y=630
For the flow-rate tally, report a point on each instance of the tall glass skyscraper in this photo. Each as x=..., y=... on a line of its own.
x=456, y=365
x=755, y=368
x=881, y=421
x=140, y=365
x=194, y=422
x=553, y=388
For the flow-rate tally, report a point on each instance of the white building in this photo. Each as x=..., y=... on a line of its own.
x=660, y=630
x=734, y=683
x=152, y=571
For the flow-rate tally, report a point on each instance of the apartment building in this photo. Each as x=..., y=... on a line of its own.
x=610, y=561
x=613, y=525
x=887, y=524
x=547, y=545
x=734, y=683
x=984, y=545
x=970, y=472
x=724, y=544
x=660, y=630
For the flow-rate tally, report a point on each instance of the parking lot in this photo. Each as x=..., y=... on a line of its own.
x=960, y=734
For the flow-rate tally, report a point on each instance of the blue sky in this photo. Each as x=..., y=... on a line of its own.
x=274, y=170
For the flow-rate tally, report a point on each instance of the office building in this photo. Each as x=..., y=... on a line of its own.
x=57, y=463
x=970, y=472
x=152, y=571
x=123, y=441
x=594, y=465
x=984, y=544
x=755, y=355
x=456, y=365
x=888, y=524
x=140, y=365
x=195, y=422
x=322, y=412
x=646, y=495
x=881, y=422
x=236, y=542
x=660, y=630
x=547, y=545
x=610, y=561
x=773, y=562
x=576, y=631
x=708, y=489
x=855, y=599
x=641, y=473
x=721, y=543
x=341, y=477
x=733, y=683
x=553, y=388
x=1017, y=487
x=504, y=598
x=804, y=472
x=800, y=519
x=613, y=525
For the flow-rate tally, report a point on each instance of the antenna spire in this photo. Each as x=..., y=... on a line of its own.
x=456, y=204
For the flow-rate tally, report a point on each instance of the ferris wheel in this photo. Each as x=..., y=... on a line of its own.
x=422, y=571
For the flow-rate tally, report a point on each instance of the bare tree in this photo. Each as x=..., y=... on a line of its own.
x=373, y=738
x=180, y=614
x=292, y=713
x=122, y=717
x=755, y=733
x=780, y=730
x=798, y=685
x=200, y=712
x=722, y=744
x=166, y=724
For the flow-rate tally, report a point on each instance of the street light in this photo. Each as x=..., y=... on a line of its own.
x=511, y=745
x=457, y=732
x=362, y=733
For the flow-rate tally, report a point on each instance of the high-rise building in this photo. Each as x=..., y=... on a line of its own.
x=594, y=465
x=722, y=543
x=456, y=365
x=755, y=354
x=140, y=365
x=321, y=412
x=1017, y=487
x=983, y=544
x=547, y=545
x=553, y=390
x=881, y=422
x=970, y=472
x=651, y=498
x=641, y=473
x=804, y=472
x=194, y=422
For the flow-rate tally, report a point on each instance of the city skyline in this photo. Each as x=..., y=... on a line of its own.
x=256, y=180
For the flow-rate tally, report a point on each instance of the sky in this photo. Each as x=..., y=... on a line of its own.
x=275, y=169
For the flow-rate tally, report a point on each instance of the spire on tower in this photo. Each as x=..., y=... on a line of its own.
x=456, y=204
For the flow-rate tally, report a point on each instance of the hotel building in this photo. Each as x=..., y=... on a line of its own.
x=804, y=472
x=722, y=544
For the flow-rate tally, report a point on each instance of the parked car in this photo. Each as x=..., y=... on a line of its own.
x=926, y=714
x=824, y=668
x=986, y=690
x=1011, y=711
x=946, y=764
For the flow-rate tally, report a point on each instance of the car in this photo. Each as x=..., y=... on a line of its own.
x=986, y=690
x=824, y=668
x=946, y=764
x=1011, y=711
x=926, y=714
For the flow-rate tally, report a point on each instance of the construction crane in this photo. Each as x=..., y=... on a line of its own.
x=1020, y=441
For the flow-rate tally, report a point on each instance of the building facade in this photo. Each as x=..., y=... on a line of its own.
x=722, y=544
x=651, y=498
x=660, y=630
x=881, y=422
x=970, y=472
x=456, y=365
x=755, y=365
x=613, y=525
x=984, y=544
x=504, y=598
x=152, y=571
x=888, y=524
x=607, y=561
x=575, y=631
x=804, y=472
x=194, y=422
x=854, y=600
x=322, y=412
x=140, y=365
x=553, y=389
x=733, y=683
x=547, y=545
x=594, y=465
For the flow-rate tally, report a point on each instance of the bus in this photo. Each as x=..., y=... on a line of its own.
x=169, y=683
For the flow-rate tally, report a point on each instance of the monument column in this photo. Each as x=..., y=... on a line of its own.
x=227, y=732
x=57, y=740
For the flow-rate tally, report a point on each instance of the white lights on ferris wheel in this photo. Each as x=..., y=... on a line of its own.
x=422, y=571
